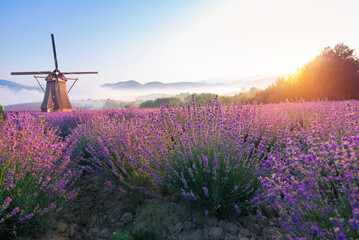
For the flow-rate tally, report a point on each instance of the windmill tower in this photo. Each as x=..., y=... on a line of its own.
x=56, y=96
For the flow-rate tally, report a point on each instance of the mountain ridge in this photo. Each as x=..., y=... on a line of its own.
x=16, y=86
x=214, y=84
x=152, y=84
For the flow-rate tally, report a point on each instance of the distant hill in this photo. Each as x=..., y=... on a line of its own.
x=228, y=85
x=132, y=84
x=16, y=86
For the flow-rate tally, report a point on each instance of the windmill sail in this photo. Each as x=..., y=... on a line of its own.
x=31, y=73
x=69, y=73
x=54, y=50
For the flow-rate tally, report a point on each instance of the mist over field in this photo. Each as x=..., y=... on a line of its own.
x=9, y=96
x=133, y=91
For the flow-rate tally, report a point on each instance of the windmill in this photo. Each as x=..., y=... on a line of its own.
x=56, y=98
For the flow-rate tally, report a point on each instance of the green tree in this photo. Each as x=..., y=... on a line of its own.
x=159, y=101
x=116, y=104
x=147, y=104
x=333, y=74
x=201, y=98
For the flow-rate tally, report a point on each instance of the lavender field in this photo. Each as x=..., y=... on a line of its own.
x=293, y=165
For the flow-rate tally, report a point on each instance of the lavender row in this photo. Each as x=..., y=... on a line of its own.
x=295, y=164
x=301, y=159
x=35, y=174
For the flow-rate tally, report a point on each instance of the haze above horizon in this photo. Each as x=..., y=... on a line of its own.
x=170, y=41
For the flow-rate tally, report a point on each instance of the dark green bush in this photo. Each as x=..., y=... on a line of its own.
x=2, y=113
x=213, y=181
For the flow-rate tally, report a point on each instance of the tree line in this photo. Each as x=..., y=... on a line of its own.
x=201, y=99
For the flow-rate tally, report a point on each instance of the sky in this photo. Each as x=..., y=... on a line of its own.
x=170, y=40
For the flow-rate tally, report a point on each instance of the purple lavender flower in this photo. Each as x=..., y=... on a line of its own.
x=205, y=191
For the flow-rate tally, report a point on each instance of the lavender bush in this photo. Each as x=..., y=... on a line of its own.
x=34, y=173
x=213, y=163
x=121, y=147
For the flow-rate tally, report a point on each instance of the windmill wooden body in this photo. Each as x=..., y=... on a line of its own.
x=56, y=97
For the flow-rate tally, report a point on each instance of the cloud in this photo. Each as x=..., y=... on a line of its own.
x=9, y=96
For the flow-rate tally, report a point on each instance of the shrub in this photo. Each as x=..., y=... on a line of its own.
x=159, y=101
x=213, y=165
x=213, y=181
x=2, y=113
x=34, y=174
